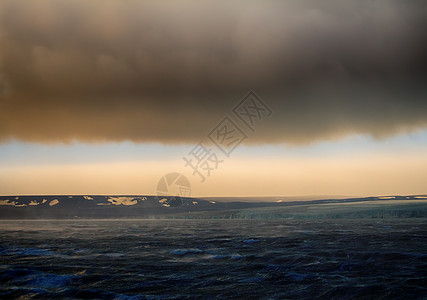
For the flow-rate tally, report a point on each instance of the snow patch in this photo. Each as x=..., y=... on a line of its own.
x=280, y=200
x=6, y=202
x=212, y=201
x=420, y=197
x=33, y=202
x=53, y=202
x=123, y=200
x=88, y=198
x=13, y=203
x=194, y=202
x=386, y=197
x=44, y=201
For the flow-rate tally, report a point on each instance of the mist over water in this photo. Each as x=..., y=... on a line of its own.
x=175, y=259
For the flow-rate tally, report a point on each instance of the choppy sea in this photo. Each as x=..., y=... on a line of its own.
x=214, y=259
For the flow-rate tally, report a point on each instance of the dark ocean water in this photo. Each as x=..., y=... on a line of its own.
x=208, y=259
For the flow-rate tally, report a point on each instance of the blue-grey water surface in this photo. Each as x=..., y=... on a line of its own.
x=210, y=259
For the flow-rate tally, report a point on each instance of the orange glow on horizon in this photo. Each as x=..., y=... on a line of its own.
x=351, y=175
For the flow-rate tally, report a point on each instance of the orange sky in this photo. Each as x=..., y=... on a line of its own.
x=347, y=172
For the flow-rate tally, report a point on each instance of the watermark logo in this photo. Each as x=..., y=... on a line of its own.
x=252, y=109
x=223, y=139
x=173, y=189
x=227, y=135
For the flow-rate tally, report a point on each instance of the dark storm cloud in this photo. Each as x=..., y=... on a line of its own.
x=166, y=71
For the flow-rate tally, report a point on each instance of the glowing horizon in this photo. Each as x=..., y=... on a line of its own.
x=356, y=166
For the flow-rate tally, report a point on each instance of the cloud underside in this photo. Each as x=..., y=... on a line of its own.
x=168, y=71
